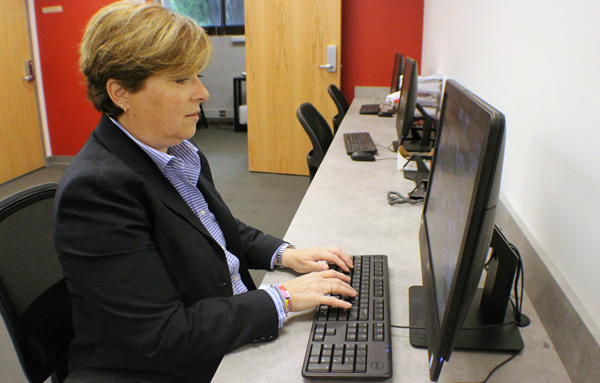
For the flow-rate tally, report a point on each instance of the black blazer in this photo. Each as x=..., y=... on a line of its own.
x=150, y=287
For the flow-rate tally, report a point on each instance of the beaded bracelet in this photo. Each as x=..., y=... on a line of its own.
x=286, y=297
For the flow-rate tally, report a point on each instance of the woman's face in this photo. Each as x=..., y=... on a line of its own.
x=165, y=111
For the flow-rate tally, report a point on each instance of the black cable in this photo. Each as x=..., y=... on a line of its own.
x=395, y=198
x=409, y=327
x=474, y=328
x=485, y=327
x=522, y=319
x=489, y=326
x=389, y=147
x=498, y=366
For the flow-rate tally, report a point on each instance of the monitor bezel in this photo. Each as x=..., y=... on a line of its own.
x=476, y=240
x=397, y=71
x=408, y=100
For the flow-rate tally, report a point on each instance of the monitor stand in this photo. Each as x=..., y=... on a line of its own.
x=419, y=176
x=483, y=329
x=503, y=338
x=423, y=137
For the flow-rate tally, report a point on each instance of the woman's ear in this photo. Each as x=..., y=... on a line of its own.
x=117, y=93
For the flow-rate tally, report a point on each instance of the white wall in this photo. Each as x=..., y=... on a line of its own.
x=538, y=61
x=229, y=61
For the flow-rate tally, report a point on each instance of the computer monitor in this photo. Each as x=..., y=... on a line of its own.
x=397, y=71
x=456, y=229
x=407, y=102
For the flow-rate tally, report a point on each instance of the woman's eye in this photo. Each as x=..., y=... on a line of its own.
x=184, y=80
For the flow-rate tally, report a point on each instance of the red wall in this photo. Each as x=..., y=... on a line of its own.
x=372, y=33
x=393, y=25
x=71, y=117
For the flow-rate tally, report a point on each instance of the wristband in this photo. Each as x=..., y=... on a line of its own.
x=285, y=295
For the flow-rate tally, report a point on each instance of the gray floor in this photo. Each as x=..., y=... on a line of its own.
x=266, y=201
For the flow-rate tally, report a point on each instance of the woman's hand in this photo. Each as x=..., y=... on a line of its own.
x=310, y=290
x=307, y=260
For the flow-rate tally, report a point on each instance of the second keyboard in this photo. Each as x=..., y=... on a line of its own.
x=359, y=142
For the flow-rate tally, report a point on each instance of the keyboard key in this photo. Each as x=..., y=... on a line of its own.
x=338, y=367
x=317, y=367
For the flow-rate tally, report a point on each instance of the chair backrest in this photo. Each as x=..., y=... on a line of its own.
x=318, y=131
x=34, y=301
x=341, y=103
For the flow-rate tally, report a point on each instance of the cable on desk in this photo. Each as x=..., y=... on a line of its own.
x=487, y=378
x=409, y=327
x=485, y=327
x=390, y=147
x=498, y=366
x=395, y=198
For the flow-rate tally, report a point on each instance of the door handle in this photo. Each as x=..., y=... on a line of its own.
x=331, y=65
x=29, y=72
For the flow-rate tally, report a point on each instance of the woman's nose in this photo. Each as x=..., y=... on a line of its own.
x=201, y=93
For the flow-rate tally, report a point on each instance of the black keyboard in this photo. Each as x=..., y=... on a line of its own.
x=359, y=142
x=354, y=343
x=369, y=109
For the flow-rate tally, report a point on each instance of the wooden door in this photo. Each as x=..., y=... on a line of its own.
x=286, y=42
x=21, y=147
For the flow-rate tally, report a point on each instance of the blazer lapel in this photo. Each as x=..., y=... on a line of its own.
x=132, y=155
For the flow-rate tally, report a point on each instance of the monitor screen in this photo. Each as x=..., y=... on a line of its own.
x=397, y=71
x=408, y=100
x=458, y=217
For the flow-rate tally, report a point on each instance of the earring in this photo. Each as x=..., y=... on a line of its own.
x=124, y=108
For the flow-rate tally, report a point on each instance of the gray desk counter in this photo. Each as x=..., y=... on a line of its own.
x=346, y=205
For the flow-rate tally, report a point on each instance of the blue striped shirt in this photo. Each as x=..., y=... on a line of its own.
x=181, y=166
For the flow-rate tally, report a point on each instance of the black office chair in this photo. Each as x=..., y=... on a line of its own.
x=34, y=301
x=341, y=103
x=318, y=131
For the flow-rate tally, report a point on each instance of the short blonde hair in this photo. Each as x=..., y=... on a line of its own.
x=129, y=42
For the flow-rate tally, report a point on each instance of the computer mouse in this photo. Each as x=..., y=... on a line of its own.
x=362, y=156
x=383, y=113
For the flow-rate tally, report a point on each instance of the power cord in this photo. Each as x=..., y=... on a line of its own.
x=390, y=147
x=487, y=378
x=486, y=327
x=498, y=366
x=395, y=198
x=521, y=319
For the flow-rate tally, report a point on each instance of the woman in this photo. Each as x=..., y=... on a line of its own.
x=156, y=265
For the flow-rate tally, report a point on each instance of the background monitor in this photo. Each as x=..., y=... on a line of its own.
x=407, y=102
x=456, y=229
x=414, y=133
x=397, y=71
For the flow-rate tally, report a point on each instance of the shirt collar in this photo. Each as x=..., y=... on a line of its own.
x=159, y=158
